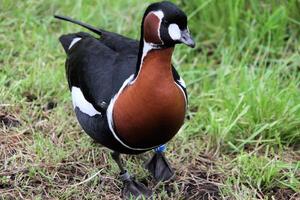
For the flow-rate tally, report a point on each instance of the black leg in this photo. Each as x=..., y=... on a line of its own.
x=132, y=188
x=116, y=156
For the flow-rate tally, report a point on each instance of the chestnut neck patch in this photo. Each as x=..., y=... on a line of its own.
x=152, y=28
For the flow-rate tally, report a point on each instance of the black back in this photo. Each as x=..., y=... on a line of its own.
x=100, y=66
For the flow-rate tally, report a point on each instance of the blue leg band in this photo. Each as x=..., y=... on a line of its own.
x=160, y=149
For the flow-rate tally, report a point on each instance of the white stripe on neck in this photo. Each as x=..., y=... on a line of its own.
x=160, y=15
x=150, y=46
x=146, y=49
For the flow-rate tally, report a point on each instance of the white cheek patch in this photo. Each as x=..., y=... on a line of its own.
x=174, y=31
x=74, y=41
x=80, y=102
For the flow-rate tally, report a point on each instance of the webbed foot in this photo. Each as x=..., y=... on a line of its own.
x=133, y=188
x=159, y=167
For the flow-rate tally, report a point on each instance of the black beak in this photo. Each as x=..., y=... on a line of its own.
x=187, y=39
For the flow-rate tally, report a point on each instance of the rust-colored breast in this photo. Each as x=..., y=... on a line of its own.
x=151, y=111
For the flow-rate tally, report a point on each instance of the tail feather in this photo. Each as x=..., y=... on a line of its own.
x=87, y=26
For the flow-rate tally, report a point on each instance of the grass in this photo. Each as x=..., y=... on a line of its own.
x=241, y=140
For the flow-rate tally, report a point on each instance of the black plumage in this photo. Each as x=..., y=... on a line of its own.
x=99, y=67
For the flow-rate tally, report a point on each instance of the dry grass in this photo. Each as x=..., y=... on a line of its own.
x=87, y=171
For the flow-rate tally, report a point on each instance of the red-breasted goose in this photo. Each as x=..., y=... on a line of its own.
x=126, y=94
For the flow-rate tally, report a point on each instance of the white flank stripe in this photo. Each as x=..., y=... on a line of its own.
x=74, y=41
x=80, y=102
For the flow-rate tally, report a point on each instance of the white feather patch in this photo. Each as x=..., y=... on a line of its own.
x=174, y=31
x=74, y=41
x=159, y=14
x=80, y=102
x=146, y=49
